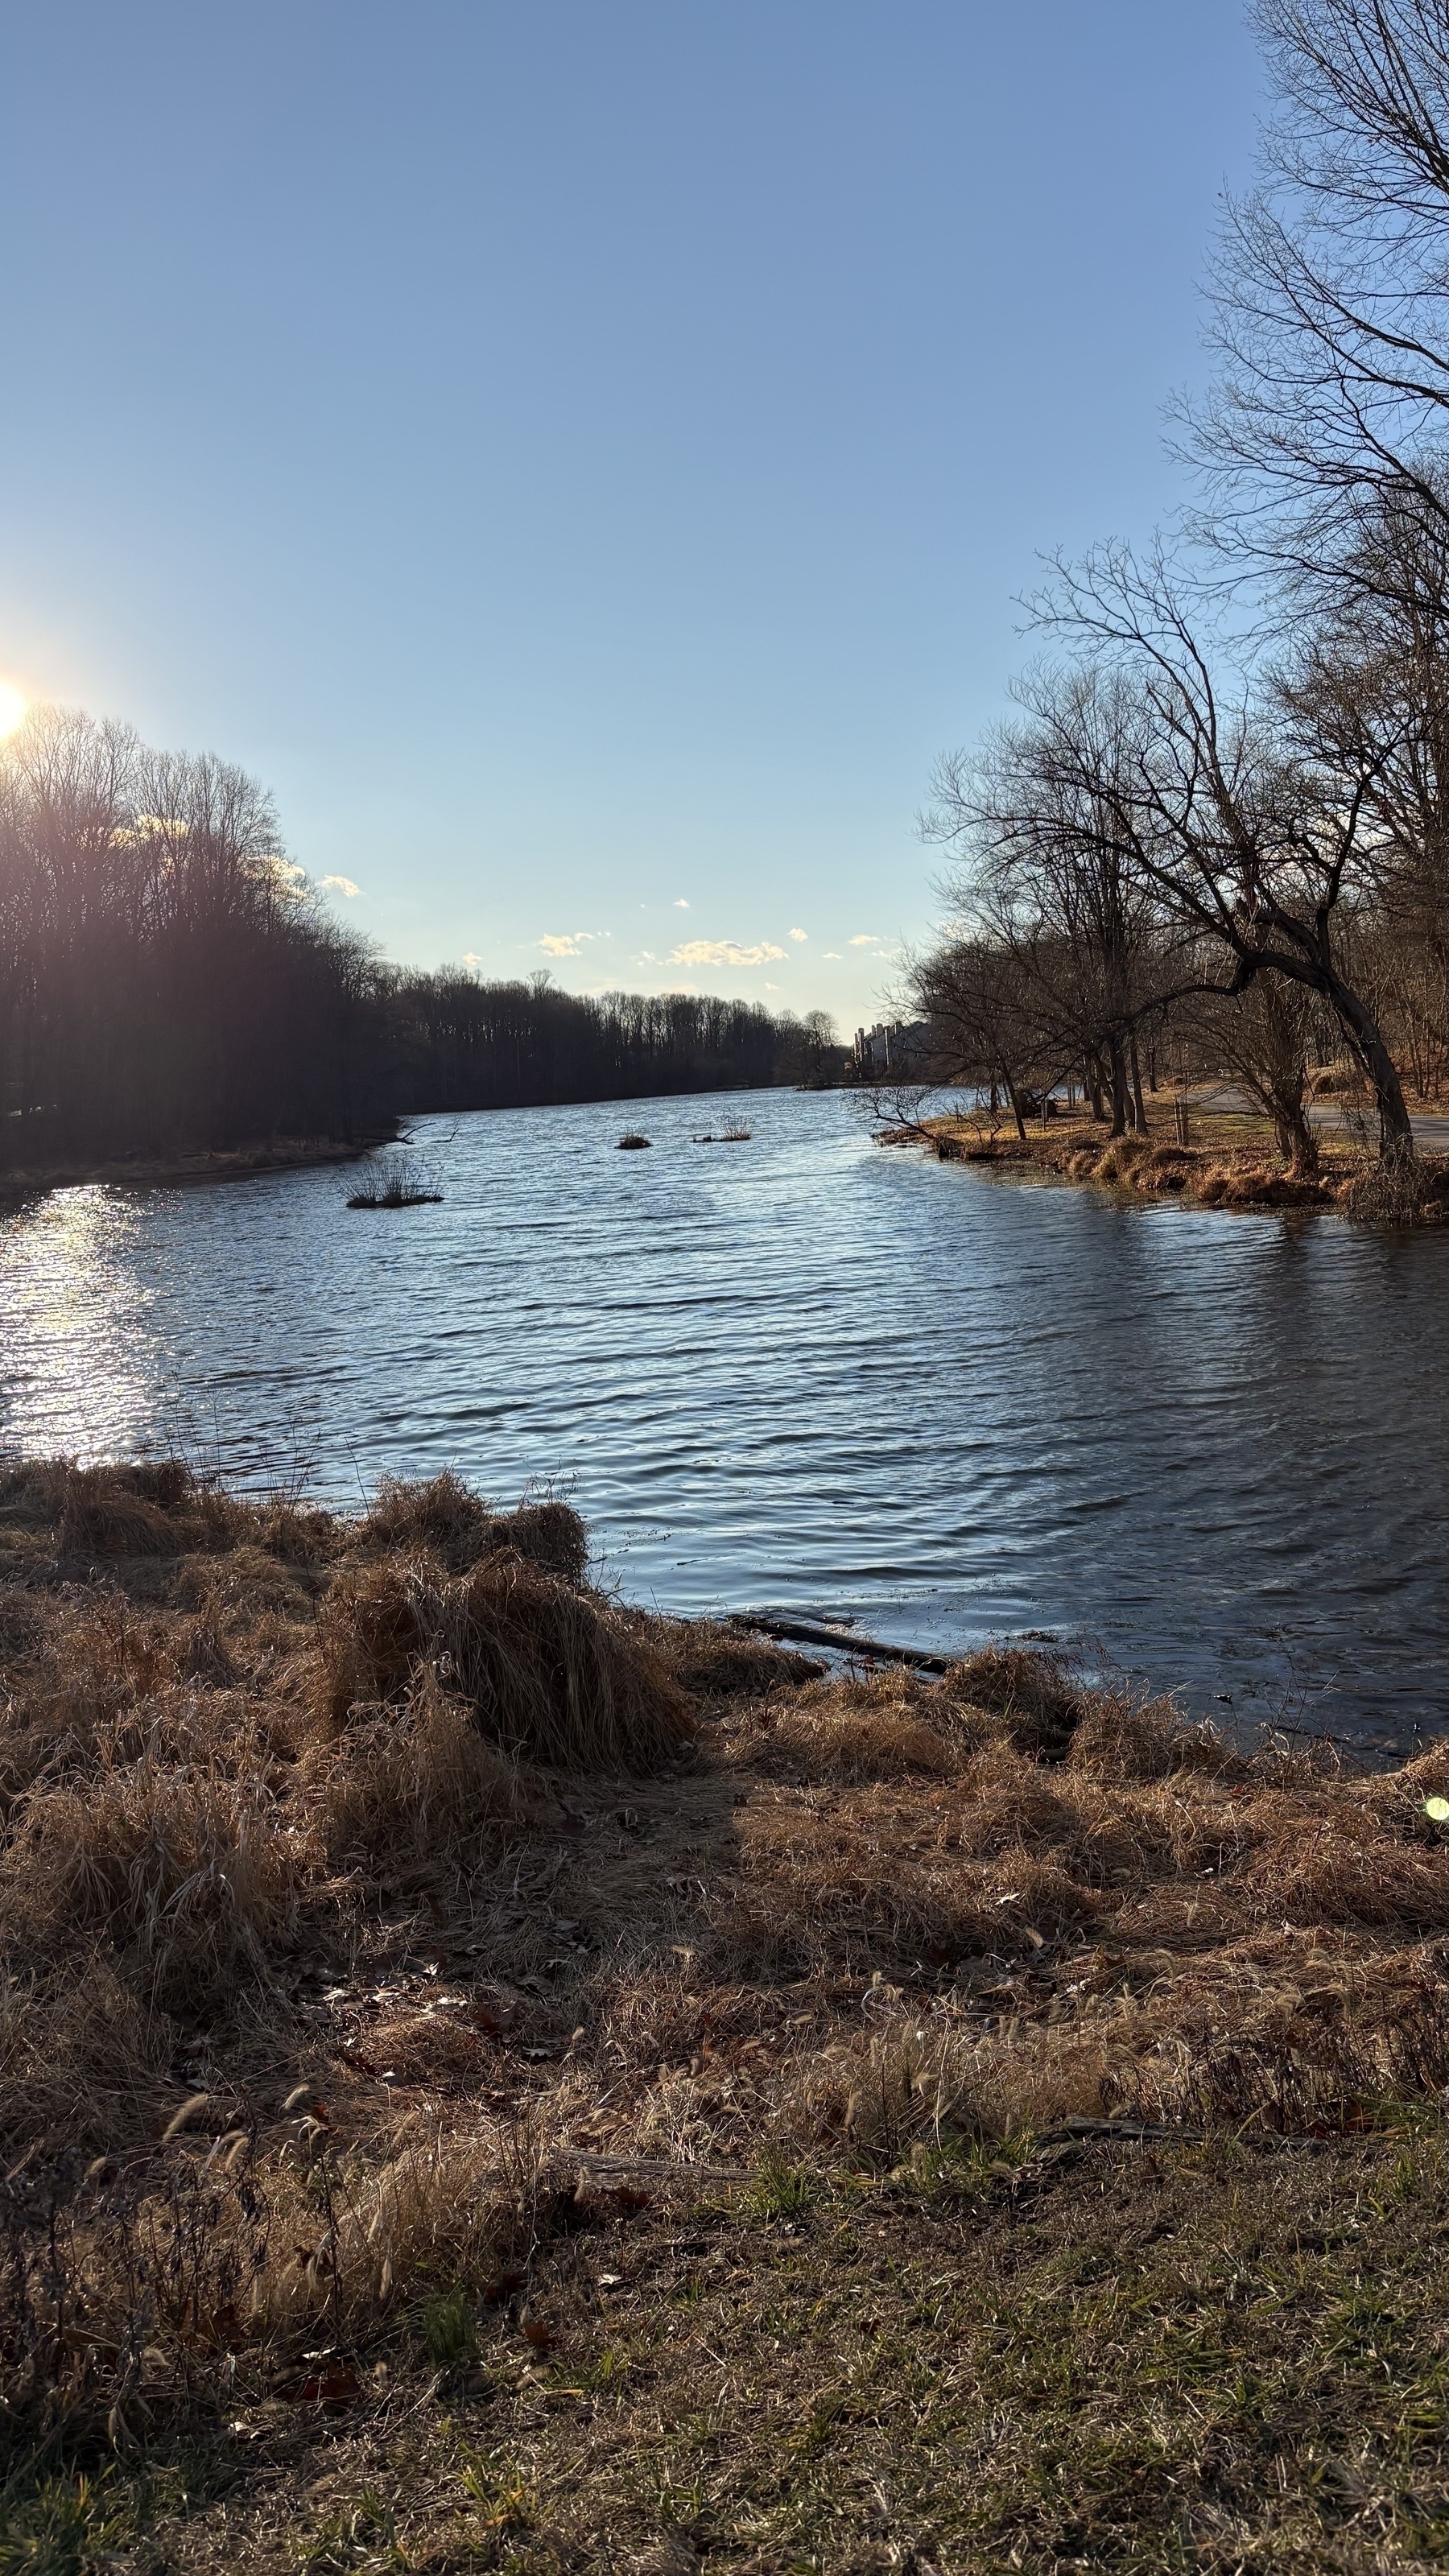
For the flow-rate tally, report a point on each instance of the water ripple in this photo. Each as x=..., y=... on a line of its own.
x=807, y=1372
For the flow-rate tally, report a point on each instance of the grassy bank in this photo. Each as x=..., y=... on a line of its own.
x=182, y=1171
x=1230, y=1160
x=493, y=2080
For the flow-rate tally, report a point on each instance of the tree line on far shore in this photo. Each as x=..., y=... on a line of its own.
x=171, y=983
x=475, y=1045
x=1215, y=835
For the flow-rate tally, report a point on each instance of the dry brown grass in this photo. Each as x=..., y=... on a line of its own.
x=459, y=1904
x=1234, y=1164
x=547, y=1671
x=412, y=1783
x=444, y=1518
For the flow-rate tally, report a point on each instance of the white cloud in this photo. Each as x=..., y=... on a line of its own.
x=865, y=939
x=833, y=953
x=724, y=952
x=471, y=957
x=797, y=934
x=342, y=885
x=553, y=945
x=681, y=903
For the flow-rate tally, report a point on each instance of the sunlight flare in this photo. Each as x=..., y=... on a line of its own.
x=13, y=703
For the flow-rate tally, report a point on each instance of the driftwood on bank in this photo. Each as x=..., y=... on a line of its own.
x=815, y=1632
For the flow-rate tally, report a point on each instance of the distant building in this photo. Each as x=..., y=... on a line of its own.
x=894, y=1048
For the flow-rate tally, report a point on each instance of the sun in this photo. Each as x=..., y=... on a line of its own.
x=12, y=708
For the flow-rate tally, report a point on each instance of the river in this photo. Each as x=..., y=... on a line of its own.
x=803, y=1372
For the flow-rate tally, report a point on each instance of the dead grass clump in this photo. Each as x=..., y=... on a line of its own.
x=878, y=1877
x=440, y=2210
x=558, y=1677
x=1427, y=1776
x=201, y=2273
x=245, y=1583
x=1313, y=2050
x=83, y=2060
x=372, y=1635
x=444, y=1518
x=879, y=1726
x=884, y=1743
x=718, y=1663
x=429, y=2047
x=550, y=1535
x=903, y=2082
x=1339, y=1866
x=1397, y=1190
x=1120, y=1159
x=295, y=1534
x=1256, y=1185
x=101, y=1518
x=109, y=1513
x=1121, y=1738
x=551, y=1675
x=186, y=1870
x=1102, y=1835
x=1010, y=1802
x=859, y=1880
x=409, y=1784
x=1032, y=1692
x=93, y=1686
x=1028, y=1893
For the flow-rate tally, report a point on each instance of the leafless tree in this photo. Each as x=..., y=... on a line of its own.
x=1264, y=1036
x=1330, y=292
x=166, y=979
x=1044, y=866
x=972, y=994
x=1254, y=843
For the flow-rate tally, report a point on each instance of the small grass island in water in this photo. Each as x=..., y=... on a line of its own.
x=400, y=1181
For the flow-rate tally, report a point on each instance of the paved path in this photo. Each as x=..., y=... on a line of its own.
x=1430, y=1130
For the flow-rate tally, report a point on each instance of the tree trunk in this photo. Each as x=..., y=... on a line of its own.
x=1396, y=1134
x=1297, y=1142
x=1118, y=1073
x=1016, y=1108
x=1138, y=1103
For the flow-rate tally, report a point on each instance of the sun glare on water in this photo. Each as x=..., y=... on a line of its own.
x=12, y=708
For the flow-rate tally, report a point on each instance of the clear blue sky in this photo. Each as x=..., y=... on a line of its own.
x=582, y=453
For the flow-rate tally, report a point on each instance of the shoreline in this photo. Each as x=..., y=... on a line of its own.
x=1240, y=1169
x=699, y=2096
x=186, y=1171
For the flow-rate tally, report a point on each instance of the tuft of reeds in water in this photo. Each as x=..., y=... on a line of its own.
x=398, y=1181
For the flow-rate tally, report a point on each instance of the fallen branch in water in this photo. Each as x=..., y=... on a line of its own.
x=813, y=1632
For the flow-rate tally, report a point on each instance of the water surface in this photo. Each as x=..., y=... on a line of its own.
x=805, y=1372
